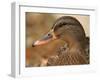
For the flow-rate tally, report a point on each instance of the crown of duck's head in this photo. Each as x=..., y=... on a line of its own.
x=66, y=28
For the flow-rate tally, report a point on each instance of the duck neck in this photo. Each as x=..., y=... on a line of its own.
x=73, y=44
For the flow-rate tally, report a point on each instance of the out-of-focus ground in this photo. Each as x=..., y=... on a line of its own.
x=38, y=24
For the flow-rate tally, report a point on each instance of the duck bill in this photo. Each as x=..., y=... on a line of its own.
x=47, y=38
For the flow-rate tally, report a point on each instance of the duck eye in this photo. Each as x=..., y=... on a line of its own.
x=49, y=34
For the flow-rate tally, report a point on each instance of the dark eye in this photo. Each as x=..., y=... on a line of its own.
x=49, y=34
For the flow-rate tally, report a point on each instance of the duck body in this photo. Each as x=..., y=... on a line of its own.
x=71, y=31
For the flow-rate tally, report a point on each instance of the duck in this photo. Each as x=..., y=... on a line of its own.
x=71, y=31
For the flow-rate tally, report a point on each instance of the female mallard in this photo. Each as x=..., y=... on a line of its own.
x=70, y=30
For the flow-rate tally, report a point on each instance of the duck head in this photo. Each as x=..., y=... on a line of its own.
x=66, y=28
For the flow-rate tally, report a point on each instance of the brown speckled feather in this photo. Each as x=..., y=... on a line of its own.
x=65, y=57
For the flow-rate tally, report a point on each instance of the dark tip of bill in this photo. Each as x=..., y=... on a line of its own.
x=33, y=45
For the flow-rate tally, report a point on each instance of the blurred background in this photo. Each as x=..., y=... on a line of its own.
x=37, y=25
